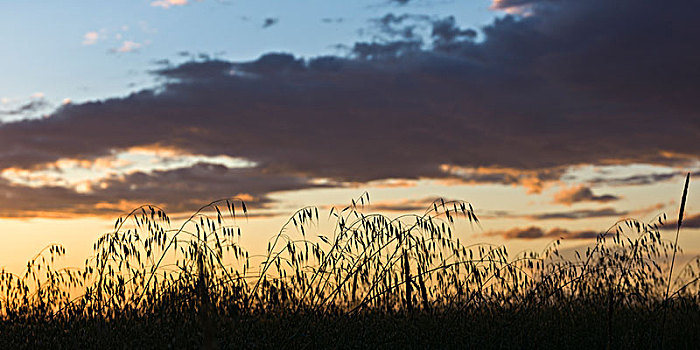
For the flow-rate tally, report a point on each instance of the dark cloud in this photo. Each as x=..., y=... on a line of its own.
x=407, y=205
x=29, y=107
x=332, y=19
x=401, y=26
x=446, y=33
x=689, y=221
x=385, y=51
x=640, y=179
x=582, y=193
x=578, y=214
x=534, y=232
x=269, y=22
x=573, y=82
x=184, y=188
x=400, y=2
x=575, y=214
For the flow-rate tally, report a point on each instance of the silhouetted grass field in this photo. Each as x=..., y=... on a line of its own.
x=373, y=281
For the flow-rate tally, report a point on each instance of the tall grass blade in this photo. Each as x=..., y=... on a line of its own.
x=675, y=250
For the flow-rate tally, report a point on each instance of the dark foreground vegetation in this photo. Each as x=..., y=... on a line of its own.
x=581, y=326
x=372, y=281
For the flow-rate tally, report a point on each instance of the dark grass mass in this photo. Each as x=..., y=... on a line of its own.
x=371, y=281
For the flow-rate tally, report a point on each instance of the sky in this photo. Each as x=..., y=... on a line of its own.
x=554, y=118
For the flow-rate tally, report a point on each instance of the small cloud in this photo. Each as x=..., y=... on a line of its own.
x=332, y=20
x=91, y=38
x=578, y=214
x=516, y=7
x=534, y=232
x=405, y=205
x=36, y=104
x=128, y=46
x=168, y=3
x=269, y=22
x=689, y=221
x=640, y=179
x=509, y=4
x=162, y=62
x=403, y=26
x=569, y=196
x=446, y=32
x=399, y=2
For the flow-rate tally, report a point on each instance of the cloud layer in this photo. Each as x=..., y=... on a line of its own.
x=570, y=83
x=534, y=232
x=178, y=190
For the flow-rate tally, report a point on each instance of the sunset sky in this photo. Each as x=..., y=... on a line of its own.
x=554, y=118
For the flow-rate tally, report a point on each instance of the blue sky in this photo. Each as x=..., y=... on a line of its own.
x=49, y=52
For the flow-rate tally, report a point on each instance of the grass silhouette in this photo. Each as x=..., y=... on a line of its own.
x=371, y=281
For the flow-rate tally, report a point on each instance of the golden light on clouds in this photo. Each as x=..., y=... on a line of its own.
x=83, y=174
x=534, y=181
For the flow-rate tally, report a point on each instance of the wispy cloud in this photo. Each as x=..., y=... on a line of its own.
x=110, y=35
x=168, y=3
x=29, y=107
x=581, y=193
x=570, y=215
x=640, y=179
x=535, y=232
x=332, y=20
x=128, y=46
x=16, y=109
x=578, y=214
x=91, y=38
x=405, y=205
